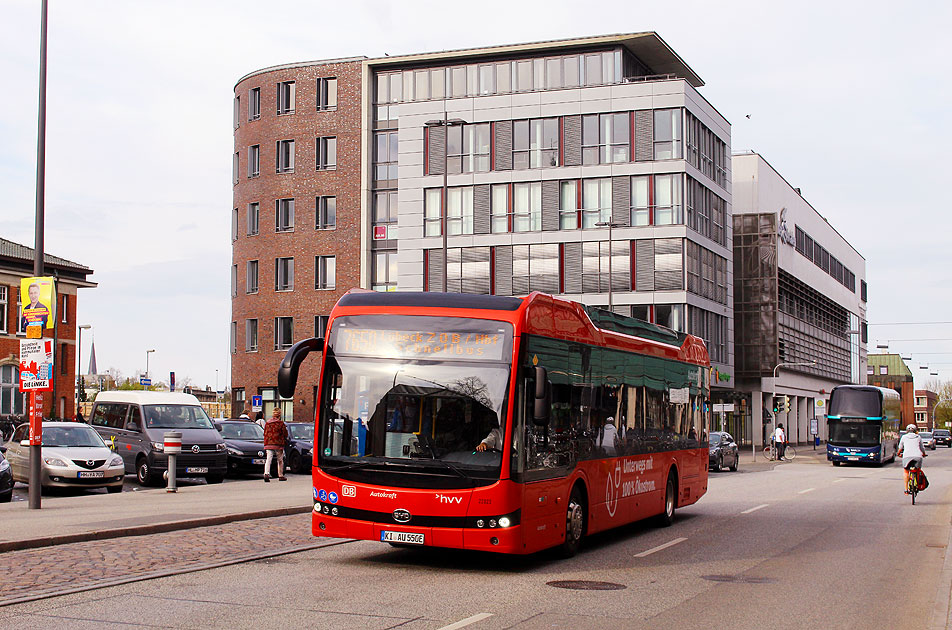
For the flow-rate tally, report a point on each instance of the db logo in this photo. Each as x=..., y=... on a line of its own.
x=348, y=491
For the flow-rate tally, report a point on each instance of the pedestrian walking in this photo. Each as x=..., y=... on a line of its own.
x=259, y=418
x=275, y=437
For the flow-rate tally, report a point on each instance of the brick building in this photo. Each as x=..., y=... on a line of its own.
x=16, y=262
x=889, y=370
x=924, y=408
x=590, y=168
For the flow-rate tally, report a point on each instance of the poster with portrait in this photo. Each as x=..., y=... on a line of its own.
x=37, y=304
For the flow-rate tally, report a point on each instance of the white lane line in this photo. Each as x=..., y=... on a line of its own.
x=839, y=480
x=807, y=490
x=462, y=623
x=660, y=547
x=754, y=509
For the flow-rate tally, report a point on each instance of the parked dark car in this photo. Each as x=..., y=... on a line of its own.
x=943, y=436
x=297, y=453
x=6, y=478
x=244, y=443
x=723, y=451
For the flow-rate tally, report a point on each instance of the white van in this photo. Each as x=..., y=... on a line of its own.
x=133, y=424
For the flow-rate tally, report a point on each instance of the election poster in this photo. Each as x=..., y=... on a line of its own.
x=37, y=305
x=36, y=364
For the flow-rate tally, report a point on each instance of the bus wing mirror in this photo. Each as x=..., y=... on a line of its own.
x=288, y=372
x=543, y=398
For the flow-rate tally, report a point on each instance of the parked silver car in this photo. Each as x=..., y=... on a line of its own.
x=74, y=456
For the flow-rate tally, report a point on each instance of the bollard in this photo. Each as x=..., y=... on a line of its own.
x=172, y=447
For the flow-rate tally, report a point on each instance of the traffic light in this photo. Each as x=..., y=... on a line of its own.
x=786, y=403
x=777, y=403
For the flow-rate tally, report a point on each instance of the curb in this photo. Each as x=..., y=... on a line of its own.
x=144, y=530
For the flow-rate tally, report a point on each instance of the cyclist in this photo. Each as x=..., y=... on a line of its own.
x=911, y=451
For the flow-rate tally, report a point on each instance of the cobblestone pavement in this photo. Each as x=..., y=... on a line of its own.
x=45, y=572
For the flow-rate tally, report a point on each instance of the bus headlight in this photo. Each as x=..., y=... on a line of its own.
x=504, y=521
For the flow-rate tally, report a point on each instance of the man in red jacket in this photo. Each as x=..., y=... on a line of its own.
x=275, y=437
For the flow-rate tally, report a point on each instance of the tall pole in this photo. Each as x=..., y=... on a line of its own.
x=79, y=360
x=36, y=450
x=446, y=200
x=147, y=353
x=611, y=306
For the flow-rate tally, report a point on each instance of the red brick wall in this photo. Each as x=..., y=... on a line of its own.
x=65, y=337
x=253, y=370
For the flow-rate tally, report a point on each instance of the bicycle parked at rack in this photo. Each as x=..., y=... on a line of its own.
x=789, y=453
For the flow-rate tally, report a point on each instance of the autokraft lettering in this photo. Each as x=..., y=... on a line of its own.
x=442, y=498
x=401, y=516
x=617, y=486
x=383, y=495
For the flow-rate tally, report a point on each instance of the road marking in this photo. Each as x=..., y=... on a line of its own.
x=754, y=509
x=462, y=623
x=839, y=480
x=660, y=547
x=807, y=490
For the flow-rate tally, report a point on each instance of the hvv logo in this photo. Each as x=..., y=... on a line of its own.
x=442, y=498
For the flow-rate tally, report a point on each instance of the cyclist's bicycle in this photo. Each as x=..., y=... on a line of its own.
x=912, y=488
x=770, y=452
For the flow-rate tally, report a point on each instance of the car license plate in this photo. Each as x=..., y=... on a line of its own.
x=260, y=462
x=406, y=538
x=197, y=469
x=92, y=475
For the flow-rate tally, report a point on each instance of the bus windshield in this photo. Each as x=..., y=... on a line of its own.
x=416, y=390
x=855, y=433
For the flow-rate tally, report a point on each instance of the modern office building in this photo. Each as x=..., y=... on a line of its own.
x=16, y=263
x=799, y=304
x=590, y=168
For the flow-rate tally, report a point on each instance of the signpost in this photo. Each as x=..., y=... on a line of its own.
x=145, y=382
x=256, y=404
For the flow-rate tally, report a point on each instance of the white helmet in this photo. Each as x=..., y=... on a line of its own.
x=911, y=427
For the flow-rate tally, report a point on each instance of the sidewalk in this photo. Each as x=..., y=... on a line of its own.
x=67, y=519
x=805, y=455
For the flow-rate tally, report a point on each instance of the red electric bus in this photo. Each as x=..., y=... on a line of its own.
x=499, y=423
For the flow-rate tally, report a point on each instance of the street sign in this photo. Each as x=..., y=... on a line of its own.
x=145, y=382
x=819, y=407
x=813, y=427
x=171, y=381
x=723, y=407
x=36, y=364
x=256, y=403
x=221, y=392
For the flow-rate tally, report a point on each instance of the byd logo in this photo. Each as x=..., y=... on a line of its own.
x=442, y=498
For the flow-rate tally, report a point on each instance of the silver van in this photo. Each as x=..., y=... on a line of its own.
x=133, y=424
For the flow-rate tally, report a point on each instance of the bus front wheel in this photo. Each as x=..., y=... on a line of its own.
x=574, y=524
x=666, y=518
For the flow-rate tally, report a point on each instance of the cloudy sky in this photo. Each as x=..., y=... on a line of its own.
x=847, y=100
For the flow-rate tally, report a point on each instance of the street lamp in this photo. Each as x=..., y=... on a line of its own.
x=79, y=358
x=609, y=225
x=446, y=123
x=147, y=353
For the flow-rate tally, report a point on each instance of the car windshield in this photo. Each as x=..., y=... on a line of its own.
x=854, y=433
x=715, y=439
x=242, y=431
x=925, y=435
x=78, y=436
x=941, y=433
x=303, y=432
x=176, y=417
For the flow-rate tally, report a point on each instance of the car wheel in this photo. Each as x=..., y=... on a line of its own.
x=666, y=518
x=114, y=489
x=574, y=524
x=733, y=467
x=144, y=474
x=294, y=462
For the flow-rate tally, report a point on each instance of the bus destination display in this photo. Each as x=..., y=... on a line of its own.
x=411, y=344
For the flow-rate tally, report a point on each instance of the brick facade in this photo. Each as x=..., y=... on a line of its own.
x=15, y=264
x=252, y=371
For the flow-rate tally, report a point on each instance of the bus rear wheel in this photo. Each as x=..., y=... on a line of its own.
x=574, y=524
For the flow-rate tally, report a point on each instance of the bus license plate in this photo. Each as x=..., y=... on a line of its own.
x=197, y=469
x=853, y=459
x=406, y=538
x=92, y=475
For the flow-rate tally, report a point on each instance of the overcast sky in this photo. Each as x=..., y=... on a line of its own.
x=847, y=100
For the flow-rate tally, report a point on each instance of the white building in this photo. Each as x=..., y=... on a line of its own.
x=799, y=303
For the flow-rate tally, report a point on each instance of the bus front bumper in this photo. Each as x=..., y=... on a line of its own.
x=846, y=454
x=498, y=539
